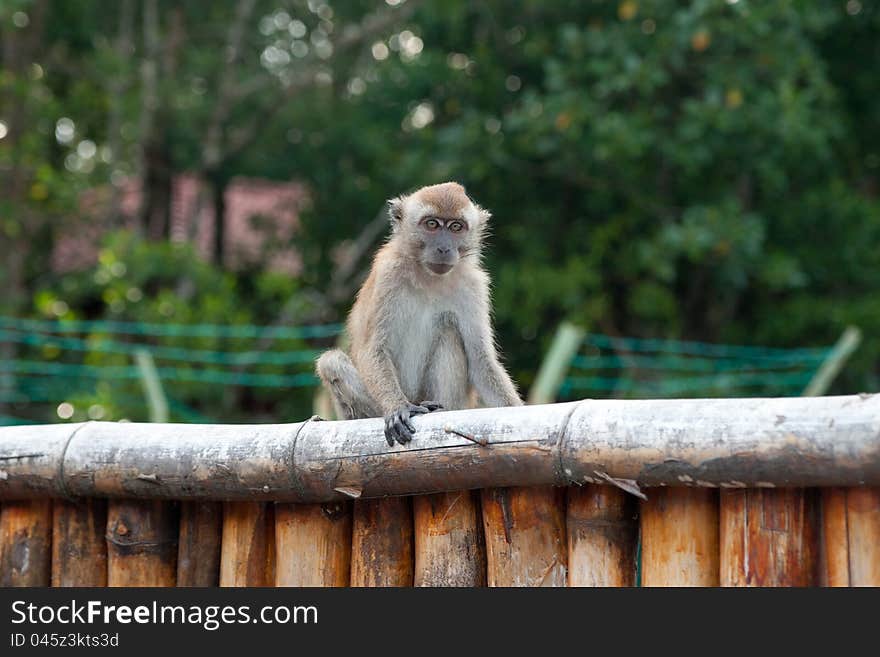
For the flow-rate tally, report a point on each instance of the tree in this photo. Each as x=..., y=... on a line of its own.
x=654, y=169
x=704, y=171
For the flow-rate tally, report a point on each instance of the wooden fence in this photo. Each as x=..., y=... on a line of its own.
x=731, y=492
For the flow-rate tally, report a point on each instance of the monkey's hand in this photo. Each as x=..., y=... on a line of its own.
x=398, y=425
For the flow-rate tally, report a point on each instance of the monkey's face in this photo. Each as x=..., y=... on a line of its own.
x=439, y=226
x=442, y=242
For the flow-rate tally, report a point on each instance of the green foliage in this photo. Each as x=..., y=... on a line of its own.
x=152, y=284
x=703, y=170
x=654, y=168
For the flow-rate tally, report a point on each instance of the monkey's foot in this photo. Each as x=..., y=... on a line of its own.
x=431, y=406
x=399, y=427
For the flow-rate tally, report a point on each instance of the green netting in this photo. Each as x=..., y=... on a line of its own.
x=31, y=367
x=9, y=420
x=699, y=348
x=61, y=360
x=634, y=366
x=650, y=367
x=170, y=330
x=691, y=384
x=694, y=364
x=105, y=344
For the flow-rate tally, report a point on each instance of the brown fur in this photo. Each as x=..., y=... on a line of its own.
x=448, y=198
x=417, y=335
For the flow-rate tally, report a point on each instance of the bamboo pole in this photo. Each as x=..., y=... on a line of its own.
x=680, y=537
x=848, y=342
x=313, y=544
x=449, y=546
x=566, y=342
x=79, y=546
x=602, y=532
x=247, y=556
x=25, y=543
x=382, y=542
x=198, y=553
x=851, y=524
x=525, y=536
x=769, y=537
x=141, y=543
x=157, y=402
x=784, y=442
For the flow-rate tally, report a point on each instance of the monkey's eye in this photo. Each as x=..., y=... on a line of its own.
x=432, y=224
x=456, y=226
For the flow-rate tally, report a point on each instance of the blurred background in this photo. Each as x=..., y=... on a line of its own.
x=190, y=192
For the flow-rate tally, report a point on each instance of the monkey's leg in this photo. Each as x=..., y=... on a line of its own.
x=446, y=377
x=444, y=382
x=350, y=397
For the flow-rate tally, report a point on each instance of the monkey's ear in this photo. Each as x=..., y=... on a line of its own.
x=485, y=215
x=395, y=210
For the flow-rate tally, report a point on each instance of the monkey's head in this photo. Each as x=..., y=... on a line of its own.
x=438, y=225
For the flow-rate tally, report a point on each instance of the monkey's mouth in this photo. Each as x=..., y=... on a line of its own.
x=439, y=268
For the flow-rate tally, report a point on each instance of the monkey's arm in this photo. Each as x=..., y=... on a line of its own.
x=380, y=378
x=485, y=371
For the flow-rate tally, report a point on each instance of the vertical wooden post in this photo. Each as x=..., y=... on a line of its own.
x=680, y=537
x=198, y=553
x=769, y=537
x=248, y=546
x=25, y=543
x=851, y=534
x=449, y=545
x=313, y=544
x=382, y=542
x=602, y=533
x=141, y=543
x=271, y=545
x=142, y=536
x=524, y=527
x=525, y=536
x=79, y=546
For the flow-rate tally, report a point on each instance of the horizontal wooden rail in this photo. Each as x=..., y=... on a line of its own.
x=727, y=443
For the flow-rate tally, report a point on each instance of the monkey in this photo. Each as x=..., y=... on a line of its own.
x=420, y=328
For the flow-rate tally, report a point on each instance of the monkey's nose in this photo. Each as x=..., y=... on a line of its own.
x=443, y=250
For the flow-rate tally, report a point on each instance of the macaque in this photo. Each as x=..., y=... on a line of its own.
x=420, y=328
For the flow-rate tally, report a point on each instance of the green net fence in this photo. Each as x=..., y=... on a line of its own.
x=650, y=368
x=91, y=363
